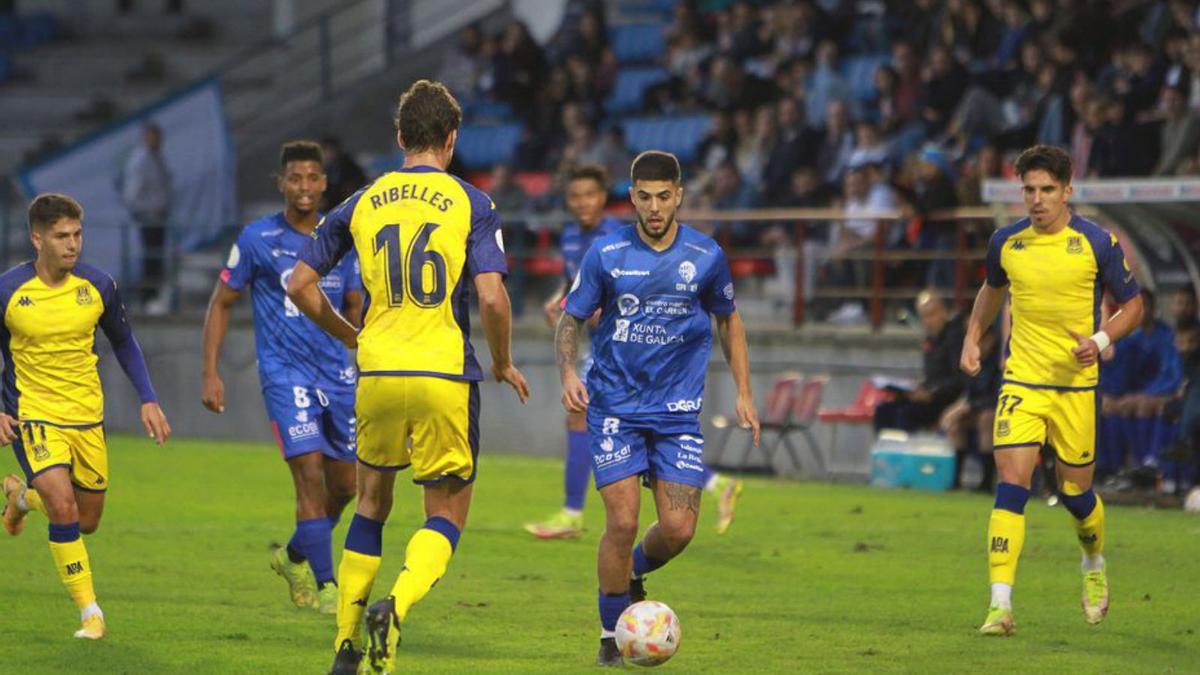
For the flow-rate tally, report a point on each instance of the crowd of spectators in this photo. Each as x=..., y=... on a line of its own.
x=955, y=88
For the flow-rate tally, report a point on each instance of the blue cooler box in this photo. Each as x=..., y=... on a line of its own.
x=920, y=460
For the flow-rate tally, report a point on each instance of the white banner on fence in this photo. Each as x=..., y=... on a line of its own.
x=198, y=150
x=1115, y=191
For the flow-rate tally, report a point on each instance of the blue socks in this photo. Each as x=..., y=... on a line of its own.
x=644, y=564
x=312, y=539
x=365, y=536
x=579, y=468
x=1011, y=497
x=611, y=607
x=1080, y=506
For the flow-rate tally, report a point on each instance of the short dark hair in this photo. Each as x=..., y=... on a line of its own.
x=48, y=208
x=1051, y=159
x=300, y=151
x=655, y=165
x=589, y=172
x=426, y=115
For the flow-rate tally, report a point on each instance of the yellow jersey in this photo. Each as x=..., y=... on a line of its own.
x=1057, y=283
x=49, y=345
x=421, y=236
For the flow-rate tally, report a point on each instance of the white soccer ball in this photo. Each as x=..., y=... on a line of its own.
x=648, y=633
x=1191, y=503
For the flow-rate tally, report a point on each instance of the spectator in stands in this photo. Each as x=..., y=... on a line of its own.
x=942, y=382
x=519, y=67
x=1187, y=406
x=758, y=133
x=909, y=88
x=1180, y=132
x=934, y=191
x=945, y=82
x=826, y=83
x=795, y=145
x=146, y=193
x=1154, y=374
x=730, y=86
x=884, y=106
x=1183, y=308
x=461, y=67
x=343, y=175
x=719, y=143
x=968, y=421
x=1112, y=142
x=985, y=166
x=836, y=144
x=869, y=147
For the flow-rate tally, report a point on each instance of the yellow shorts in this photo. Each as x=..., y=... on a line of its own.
x=81, y=450
x=430, y=423
x=1064, y=418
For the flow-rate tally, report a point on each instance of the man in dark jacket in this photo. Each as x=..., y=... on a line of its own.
x=943, y=382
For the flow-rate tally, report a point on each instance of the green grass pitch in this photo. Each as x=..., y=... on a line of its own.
x=811, y=578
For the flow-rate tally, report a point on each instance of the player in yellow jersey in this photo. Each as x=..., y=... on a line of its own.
x=1056, y=266
x=422, y=236
x=53, y=404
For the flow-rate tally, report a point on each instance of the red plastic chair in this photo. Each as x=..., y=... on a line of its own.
x=861, y=411
x=777, y=409
x=805, y=401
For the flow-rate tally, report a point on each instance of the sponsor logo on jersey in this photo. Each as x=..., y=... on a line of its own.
x=687, y=271
x=688, y=466
x=617, y=273
x=728, y=291
x=621, y=334
x=25, y=301
x=684, y=405
x=608, y=456
x=698, y=248
x=303, y=430
x=668, y=305
x=615, y=246
x=83, y=295
x=649, y=334
x=628, y=304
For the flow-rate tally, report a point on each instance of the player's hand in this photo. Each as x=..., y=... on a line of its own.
x=10, y=429
x=969, y=361
x=1109, y=353
x=552, y=311
x=213, y=397
x=574, y=396
x=1087, y=352
x=748, y=415
x=155, y=422
x=514, y=378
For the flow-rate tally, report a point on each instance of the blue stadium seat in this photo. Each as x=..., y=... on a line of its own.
x=38, y=28
x=631, y=85
x=484, y=110
x=679, y=135
x=481, y=146
x=637, y=42
x=661, y=7
x=859, y=73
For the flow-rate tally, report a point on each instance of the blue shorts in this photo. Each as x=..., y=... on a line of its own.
x=307, y=419
x=665, y=448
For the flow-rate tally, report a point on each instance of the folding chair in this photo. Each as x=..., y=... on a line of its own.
x=806, y=401
x=777, y=409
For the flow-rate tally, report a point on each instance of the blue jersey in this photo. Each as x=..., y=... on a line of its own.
x=576, y=241
x=292, y=350
x=653, y=343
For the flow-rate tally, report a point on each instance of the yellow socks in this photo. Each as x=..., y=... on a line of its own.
x=356, y=576
x=1006, y=536
x=425, y=562
x=71, y=560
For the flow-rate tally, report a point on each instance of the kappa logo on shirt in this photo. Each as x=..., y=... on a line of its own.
x=1018, y=245
x=25, y=301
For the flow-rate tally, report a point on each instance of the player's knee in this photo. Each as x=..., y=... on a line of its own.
x=623, y=527
x=61, y=509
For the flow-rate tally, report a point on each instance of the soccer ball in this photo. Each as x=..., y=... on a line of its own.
x=648, y=633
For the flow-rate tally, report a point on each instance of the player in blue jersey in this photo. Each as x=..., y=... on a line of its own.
x=587, y=194
x=307, y=376
x=656, y=285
